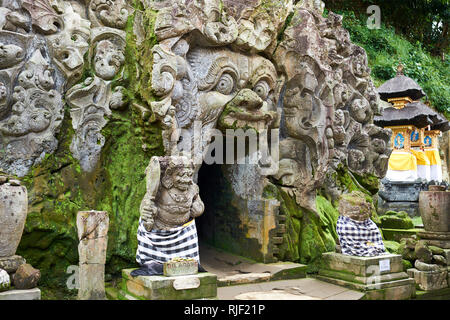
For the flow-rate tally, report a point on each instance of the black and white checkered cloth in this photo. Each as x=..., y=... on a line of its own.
x=357, y=238
x=162, y=246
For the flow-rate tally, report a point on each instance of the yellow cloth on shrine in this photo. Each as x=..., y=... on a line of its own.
x=433, y=156
x=435, y=164
x=422, y=159
x=402, y=161
x=423, y=164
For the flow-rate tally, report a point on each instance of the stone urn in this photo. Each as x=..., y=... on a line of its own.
x=13, y=213
x=434, y=208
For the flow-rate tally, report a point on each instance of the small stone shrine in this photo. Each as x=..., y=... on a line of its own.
x=415, y=162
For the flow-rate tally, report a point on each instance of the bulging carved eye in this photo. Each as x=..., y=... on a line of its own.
x=262, y=89
x=225, y=84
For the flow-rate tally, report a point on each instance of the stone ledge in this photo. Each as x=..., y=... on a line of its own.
x=31, y=294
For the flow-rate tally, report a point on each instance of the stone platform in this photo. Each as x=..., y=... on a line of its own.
x=199, y=286
x=381, y=277
x=31, y=294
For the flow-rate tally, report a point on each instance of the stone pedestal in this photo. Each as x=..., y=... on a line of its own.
x=92, y=233
x=381, y=277
x=400, y=196
x=199, y=286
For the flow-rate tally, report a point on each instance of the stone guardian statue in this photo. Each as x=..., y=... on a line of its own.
x=167, y=227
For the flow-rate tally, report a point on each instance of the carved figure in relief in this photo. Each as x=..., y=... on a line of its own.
x=34, y=119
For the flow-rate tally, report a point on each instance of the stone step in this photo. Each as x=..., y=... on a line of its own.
x=391, y=290
x=265, y=273
x=122, y=295
x=31, y=294
x=232, y=269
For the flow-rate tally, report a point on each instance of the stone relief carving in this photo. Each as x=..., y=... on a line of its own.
x=92, y=100
x=200, y=81
x=69, y=46
x=329, y=104
x=36, y=112
x=45, y=46
x=312, y=82
x=109, y=13
x=328, y=100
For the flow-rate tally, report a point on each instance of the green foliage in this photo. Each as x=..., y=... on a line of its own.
x=424, y=21
x=385, y=49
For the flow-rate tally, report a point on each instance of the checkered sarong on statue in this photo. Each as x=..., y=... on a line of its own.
x=357, y=238
x=162, y=246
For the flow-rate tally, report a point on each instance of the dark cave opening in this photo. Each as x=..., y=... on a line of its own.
x=210, y=180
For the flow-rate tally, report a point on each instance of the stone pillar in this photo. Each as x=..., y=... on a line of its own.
x=92, y=233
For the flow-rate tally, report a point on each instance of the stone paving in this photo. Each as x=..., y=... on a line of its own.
x=299, y=289
x=242, y=279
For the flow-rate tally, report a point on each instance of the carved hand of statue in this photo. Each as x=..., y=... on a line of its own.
x=197, y=207
x=148, y=213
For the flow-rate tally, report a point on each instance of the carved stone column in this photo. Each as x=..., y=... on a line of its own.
x=92, y=233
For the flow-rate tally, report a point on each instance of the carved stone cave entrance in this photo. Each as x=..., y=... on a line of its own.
x=230, y=222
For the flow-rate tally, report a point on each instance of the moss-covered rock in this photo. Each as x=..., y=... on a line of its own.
x=392, y=246
x=407, y=249
x=406, y=264
x=396, y=220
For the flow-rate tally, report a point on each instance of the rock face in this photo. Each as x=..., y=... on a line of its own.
x=145, y=78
